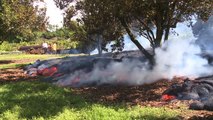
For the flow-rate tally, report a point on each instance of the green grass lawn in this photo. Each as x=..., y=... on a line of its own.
x=12, y=57
x=36, y=100
x=23, y=56
x=12, y=65
x=31, y=56
x=9, y=57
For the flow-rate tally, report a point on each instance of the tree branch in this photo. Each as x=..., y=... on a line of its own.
x=132, y=37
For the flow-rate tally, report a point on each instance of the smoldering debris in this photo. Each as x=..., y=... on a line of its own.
x=87, y=70
x=200, y=90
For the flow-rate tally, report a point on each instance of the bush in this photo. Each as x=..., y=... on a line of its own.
x=66, y=44
x=6, y=46
x=61, y=44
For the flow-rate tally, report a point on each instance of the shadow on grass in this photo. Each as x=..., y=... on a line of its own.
x=42, y=100
x=21, y=65
x=6, y=61
x=13, y=65
x=34, y=99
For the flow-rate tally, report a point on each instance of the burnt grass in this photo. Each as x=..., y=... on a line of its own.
x=143, y=95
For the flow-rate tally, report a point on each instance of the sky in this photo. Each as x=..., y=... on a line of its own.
x=55, y=14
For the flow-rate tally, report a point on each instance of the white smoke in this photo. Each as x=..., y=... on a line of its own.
x=129, y=45
x=204, y=32
x=126, y=72
x=179, y=56
x=182, y=58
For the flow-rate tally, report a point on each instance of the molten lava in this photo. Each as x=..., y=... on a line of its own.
x=168, y=97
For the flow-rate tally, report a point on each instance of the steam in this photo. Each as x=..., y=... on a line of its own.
x=126, y=72
x=204, y=30
x=179, y=56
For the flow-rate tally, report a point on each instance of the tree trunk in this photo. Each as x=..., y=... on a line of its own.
x=149, y=56
x=169, y=13
x=160, y=30
x=158, y=39
x=167, y=33
x=99, y=37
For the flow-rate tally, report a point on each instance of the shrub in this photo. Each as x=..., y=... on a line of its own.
x=6, y=46
x=61, y=44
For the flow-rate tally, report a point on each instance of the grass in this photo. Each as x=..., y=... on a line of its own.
x=35, y=100
x=13, y=65
x=10, y=57
x=31, y=56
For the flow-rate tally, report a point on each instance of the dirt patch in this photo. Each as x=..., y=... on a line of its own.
x=13, y=75
x=23, y=61
x=7, y=75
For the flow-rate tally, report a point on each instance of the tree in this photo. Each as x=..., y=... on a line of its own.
x=100, y=24
x=86, y=42
x=63, y=3
x=61, y=33
x=151, y=19
x=97, y=30
x=19, y=19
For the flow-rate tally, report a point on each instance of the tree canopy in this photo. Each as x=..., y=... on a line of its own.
x=19, y=19
x=152, y=19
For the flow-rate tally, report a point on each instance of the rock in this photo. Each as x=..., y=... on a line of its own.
x=197, y=106
x=198, y=89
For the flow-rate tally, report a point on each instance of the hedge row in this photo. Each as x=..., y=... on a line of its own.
x=61, y=44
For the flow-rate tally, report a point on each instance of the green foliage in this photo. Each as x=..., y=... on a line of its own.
x=64, y=37
x=6, y=46
x=35, y=100
x=67, y=44
x=153, y=19
x=61, y=44
x=140, y=16
x=20, y=19
x=62, y=33
x=71, y=36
